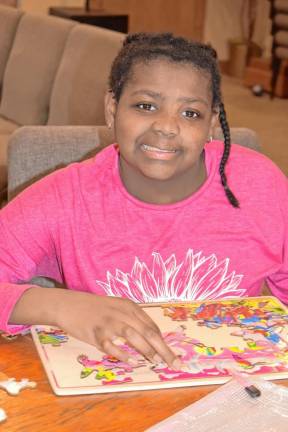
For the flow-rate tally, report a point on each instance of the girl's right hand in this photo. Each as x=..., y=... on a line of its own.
x=100, y=320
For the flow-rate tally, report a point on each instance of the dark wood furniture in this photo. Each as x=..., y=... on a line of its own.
x=100, y=18
x=259, y=72
x=279, y=19
x=38, y=409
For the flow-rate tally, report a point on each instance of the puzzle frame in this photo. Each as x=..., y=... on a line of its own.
x=213, y=338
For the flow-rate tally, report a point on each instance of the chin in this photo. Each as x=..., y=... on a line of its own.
x=158, y=176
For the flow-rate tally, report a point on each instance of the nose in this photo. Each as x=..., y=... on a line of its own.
x=166, y=125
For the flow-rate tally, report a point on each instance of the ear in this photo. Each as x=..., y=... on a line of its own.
x=110, y=109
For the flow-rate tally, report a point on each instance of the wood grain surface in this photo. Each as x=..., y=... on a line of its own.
x=37, y=410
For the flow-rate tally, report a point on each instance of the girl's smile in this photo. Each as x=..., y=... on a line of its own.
x=155, y=152
x=162, y=121
x=157, y=147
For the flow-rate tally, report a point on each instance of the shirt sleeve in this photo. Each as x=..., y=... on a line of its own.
x=278, y=282
x=27, y=247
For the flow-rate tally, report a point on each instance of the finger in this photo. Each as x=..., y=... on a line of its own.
x=152, y=335
x=138, y=342
x=105, y=343
x=137, y=312
x=126, y=329
x=162, y=349
x=115, y=351
x=141, y=314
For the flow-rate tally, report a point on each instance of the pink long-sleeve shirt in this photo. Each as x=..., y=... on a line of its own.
x=82, y=228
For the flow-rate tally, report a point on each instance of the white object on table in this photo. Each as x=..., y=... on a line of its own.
x=13, y=387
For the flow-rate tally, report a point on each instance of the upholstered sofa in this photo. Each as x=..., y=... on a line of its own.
x=35, y=151
x=53, y=71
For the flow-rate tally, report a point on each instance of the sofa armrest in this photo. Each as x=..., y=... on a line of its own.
x=35, y=151
x=9, y=20
x=243, y=136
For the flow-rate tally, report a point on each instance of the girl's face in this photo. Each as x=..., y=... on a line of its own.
x=161, y=122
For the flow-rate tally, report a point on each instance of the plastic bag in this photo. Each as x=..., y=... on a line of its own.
x=231, y=409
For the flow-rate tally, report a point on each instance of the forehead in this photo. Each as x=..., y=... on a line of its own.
x=166, y=76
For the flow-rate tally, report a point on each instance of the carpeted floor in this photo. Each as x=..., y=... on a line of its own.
x=269, y=118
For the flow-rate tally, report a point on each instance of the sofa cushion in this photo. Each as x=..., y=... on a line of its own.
x=81, y=80
x=9, y=19
x=243, y=136
x=6, y=128
x=35, y=151
x=31, y=68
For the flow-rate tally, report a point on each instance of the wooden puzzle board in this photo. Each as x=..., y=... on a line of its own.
x=213, y=338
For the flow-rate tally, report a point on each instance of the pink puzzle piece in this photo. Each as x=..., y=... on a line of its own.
x=13, y=387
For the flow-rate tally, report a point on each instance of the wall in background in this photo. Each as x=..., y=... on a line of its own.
x=183, y=17
x=213, y=21
x=226, y=19
x=223, y=21
x=42, y=6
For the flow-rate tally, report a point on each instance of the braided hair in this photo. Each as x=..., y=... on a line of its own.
x=144, y=47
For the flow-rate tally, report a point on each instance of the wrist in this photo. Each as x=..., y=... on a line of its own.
x=38, y=305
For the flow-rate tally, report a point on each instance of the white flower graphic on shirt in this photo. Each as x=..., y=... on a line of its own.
x=196, y=278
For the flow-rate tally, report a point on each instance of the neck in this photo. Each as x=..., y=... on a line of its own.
x=170, y=191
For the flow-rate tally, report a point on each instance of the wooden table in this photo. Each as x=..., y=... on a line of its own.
x=37, y=410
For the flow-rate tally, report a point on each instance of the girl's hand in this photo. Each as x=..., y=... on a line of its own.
x=100, y=320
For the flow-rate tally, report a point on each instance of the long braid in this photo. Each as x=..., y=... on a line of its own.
x=227, y=146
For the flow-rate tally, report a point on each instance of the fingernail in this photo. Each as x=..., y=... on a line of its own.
x=177, y=365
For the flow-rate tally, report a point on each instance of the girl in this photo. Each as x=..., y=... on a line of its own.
x=164, y=214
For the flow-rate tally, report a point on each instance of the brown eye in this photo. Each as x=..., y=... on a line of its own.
x=146, y=107
x=191, y=114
